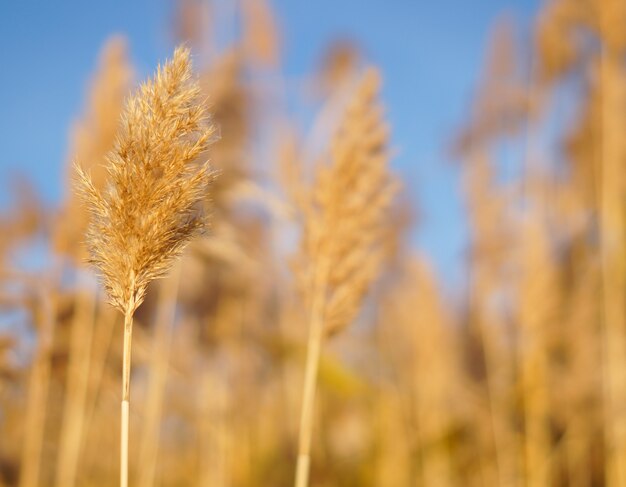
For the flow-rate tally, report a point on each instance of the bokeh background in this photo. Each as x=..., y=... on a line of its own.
x=482, y=338
x=430, y=54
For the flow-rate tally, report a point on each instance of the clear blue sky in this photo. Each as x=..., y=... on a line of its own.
x=430, y=53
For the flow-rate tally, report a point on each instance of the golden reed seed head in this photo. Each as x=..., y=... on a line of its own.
x=150, y=207
x=92, y=137
x=345, y=216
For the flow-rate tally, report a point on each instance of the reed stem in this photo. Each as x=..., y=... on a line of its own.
x=159, y=363
x=314, y=347
x=77, y=383
x=612, y=236
x=38, y=388
x=128, y=332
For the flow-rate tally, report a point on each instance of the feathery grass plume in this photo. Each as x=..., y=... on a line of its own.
x=556, y=39
x=189, y=22
x=151, y=207
x=337, y=66
x=260, y=36
x=343, y=222
x=231, y=102
x=92, y=137
x=150, y=210
x=501, y=104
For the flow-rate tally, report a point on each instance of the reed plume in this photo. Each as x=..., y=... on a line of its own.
x=92, y=138
x=343, y=223
x=260, y=35
x=151, y=207
x=508, y=373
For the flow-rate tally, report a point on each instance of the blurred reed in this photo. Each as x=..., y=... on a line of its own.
x=513, y=377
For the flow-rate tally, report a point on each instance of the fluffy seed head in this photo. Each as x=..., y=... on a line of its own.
x=150, y=207
x=345, y=215
x=92, y=137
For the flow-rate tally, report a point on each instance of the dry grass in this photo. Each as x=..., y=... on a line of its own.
x=341, y=247
x=151, y=207
x=512, y=375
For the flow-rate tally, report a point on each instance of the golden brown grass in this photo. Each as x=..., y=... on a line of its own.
x=511, y=374
x=612, y=150
x=38, y=390
x=341, y=250
x=150, y=208
x=92, y=137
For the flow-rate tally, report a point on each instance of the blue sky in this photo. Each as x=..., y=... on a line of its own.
x=430, y=53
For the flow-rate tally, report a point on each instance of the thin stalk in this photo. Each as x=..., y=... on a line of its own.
x=578, y=453
x=534, y=372
x=213, y=428
x=314, y=347
x=498, y=373
x=214, y=424
x=77, y=384
x=128, y=332
x=105, y=325
x=536, y=290
x=203, y=427
x=166, y=315
x=613, y=285
x=37, y=395
x=612, y=257
x=495, y=367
